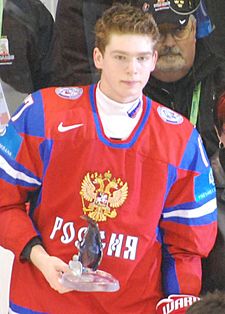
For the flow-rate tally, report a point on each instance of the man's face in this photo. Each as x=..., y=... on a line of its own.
x=125, y=65
x=176, y=50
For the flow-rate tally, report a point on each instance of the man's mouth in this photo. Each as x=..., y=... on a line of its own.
x=130, y=82
x=169, y=54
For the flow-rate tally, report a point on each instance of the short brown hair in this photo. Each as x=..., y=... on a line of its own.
x=124, y=19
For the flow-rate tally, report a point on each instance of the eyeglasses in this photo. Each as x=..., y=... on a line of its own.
x=178, y=33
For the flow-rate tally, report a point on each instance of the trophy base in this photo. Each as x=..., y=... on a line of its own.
x=90, y=281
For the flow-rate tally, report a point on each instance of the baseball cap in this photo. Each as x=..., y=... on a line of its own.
x=171, y=12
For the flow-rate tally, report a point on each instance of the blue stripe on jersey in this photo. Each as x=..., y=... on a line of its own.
x=16, y=309
x=171, y=178
x=98, y=128
x=45, y=153
x=16, y=174
x=169, y=277
x=10, y=142
x=199, y=160
x=158, y=233
x=30, y=110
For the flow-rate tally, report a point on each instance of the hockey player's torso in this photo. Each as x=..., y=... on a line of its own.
x=120, y=184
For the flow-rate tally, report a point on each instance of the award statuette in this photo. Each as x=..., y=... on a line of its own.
x=83, y=274
x=4, y=112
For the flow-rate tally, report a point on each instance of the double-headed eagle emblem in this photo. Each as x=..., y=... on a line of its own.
x=101, y=195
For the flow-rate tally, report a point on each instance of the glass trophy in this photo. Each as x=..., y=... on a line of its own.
x=83, y=274
x=4, y=111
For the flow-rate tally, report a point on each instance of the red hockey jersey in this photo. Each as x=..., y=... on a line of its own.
x=153, y=197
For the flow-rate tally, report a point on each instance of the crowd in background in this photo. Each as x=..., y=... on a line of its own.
x=60, y=52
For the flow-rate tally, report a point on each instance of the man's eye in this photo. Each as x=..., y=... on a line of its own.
x=179, y=31
x=119, y=57
x=142, y=58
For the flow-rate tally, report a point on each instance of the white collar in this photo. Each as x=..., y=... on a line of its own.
x=118, y=119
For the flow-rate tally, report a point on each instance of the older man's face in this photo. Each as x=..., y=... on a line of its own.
x=176, y=49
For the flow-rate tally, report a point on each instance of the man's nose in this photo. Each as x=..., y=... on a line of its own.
x=132, y=65
x=168, y=40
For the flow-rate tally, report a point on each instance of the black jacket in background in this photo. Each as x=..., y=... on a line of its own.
x=28, y=26
x=209, y=69
x=72, y=45
x=216, y=11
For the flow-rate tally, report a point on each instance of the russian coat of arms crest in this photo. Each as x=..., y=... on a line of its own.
x=101, y=194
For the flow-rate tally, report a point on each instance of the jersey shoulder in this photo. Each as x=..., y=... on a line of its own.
x=168, y=120
x=60, y=98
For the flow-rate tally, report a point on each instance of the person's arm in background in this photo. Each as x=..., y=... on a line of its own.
x=41, y=34
x=70, y=59
x=67, y=61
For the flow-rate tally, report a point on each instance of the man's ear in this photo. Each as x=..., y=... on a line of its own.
x=98, y=58
x=154, y=60
x=194, y=27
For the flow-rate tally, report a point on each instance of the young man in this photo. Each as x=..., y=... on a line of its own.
x=106, y=151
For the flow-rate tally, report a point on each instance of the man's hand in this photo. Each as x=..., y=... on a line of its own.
x=51, y=267
x=175, y=304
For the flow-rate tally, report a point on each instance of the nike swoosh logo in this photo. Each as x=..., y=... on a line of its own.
x=182, y=21
x=62, y=128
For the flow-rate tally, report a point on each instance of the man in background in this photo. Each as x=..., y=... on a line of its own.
x=188, y=72
x=26, y=33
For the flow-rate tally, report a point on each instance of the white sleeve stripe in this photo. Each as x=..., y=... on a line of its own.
x=12, y=312
x=201, y=211
x=15, y=174
x=16, y=116
x=28, y=101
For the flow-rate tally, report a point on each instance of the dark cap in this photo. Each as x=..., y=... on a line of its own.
x=171, y=12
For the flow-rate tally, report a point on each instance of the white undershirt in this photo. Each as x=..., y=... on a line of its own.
x=118, y=119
